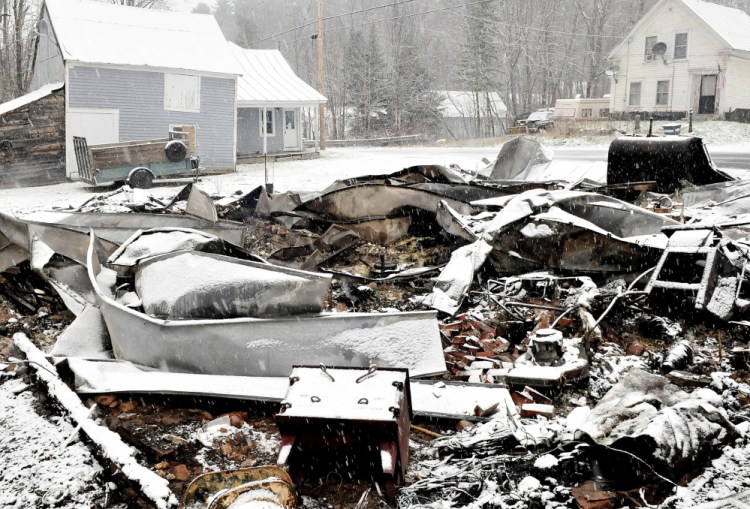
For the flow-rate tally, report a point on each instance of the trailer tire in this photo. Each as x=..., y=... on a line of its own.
x=140, y=178
x=175, y=151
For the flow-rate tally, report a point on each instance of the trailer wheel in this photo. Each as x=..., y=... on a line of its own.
x=140, y=178
x=175, y=151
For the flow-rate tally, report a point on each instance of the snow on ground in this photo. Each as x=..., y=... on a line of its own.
x=342, y=163
x=37, y=469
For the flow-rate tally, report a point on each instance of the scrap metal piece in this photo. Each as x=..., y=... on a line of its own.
x=85, y=338
x=446, y=400
x=265, y=494
x=667, y=161
x=517, y=159
x=551, y=230
x=347, y=412
x=265, y=347
x=204, y=490
x=551, y=362
x=200, y=205
x=118, y=227
x=224, y=287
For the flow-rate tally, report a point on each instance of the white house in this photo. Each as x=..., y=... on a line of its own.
x=467, y=114
x=269, y=89
x=682, y=55
x=132, y=74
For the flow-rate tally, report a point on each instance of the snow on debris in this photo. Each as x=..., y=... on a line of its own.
x=37, y=469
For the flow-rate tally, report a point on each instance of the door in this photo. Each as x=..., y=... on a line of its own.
x=707, y=100
x=291, y=130
x=97, y=125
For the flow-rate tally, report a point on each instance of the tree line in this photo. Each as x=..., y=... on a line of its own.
x=387, y=63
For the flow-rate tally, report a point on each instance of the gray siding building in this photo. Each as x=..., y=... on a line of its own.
x=134, y=74
x=269, y=89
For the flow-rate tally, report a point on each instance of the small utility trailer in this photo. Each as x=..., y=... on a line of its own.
x=137, y=163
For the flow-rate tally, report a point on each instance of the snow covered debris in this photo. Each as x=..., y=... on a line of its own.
x=37, y=471
x=112, y=447
x=647, y=415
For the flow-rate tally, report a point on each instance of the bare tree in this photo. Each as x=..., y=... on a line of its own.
x=15, y=48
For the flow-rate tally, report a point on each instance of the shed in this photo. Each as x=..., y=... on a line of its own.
x=32, y=138
x=269, y=89
x=134, y=74
x=467, y=114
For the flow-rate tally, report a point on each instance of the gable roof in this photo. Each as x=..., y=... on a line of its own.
x=730, y=25
x=268, y=80
x=103, y=33
x=29, y=98
x=460, y=103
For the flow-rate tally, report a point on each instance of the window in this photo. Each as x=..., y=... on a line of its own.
x=680, y=46
x=585, y=112
x=662, y=93
x=650, y=43
x=270, y=124
x=603, y=112
x=635, y=94
x=182, y=92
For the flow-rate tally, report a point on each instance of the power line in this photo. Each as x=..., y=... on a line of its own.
x=367, y=9
x=400, y=17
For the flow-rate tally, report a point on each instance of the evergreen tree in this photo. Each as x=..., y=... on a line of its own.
x=412, y=106
x=366, y=86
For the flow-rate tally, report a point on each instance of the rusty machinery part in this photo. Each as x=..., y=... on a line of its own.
x=175, y=151
x=205, y=486
x=140, y=178
x=266, y=493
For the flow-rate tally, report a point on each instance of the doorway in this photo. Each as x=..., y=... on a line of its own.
x=291, y=130
x=707, y=100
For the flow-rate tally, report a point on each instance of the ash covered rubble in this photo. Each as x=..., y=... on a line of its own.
x=569, y=349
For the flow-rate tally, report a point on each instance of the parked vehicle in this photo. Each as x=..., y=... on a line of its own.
x=540, y=120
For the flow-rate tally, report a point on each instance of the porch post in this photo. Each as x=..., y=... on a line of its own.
x=264, y=130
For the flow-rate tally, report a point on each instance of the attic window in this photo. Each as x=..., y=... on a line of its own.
x=680, y=45
x=182, y=92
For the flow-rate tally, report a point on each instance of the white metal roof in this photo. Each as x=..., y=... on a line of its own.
x=461, y=103
x=732, y=25
x=103, y=33
x=267, y=79
x=29, y=98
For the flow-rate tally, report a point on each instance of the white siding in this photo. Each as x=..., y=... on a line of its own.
x=703, y=55
x=736, y=93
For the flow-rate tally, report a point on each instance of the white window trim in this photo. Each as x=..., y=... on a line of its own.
x=198, y=96
x=263, y=124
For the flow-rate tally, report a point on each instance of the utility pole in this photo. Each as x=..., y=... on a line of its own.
x=321, y=79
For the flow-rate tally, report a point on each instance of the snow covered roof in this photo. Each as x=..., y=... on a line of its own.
x=461, y=103
x=267, y=79
x=29, y=98
x=729, y=24
x=103, y=33
x=732, y=25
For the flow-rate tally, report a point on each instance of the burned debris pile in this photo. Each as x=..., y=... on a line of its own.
x=487, y=339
